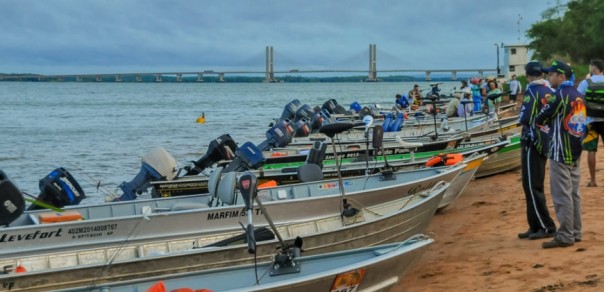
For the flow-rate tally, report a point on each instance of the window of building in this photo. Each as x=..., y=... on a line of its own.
x=513, y=51
x=511, y=68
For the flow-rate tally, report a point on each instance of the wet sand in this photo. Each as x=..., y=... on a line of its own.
x=476, y=246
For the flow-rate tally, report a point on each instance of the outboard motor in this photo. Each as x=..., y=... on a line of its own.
x=355, y=107
x=333, y=107
x=365, y=111
x=302, y=128
x=290, y=110
x=277, y=136
x=221, y=148
x=247, y=157
x=321, y=118
x=156, y=165
x=304, y=112
x=59, y=189
x=12, y=203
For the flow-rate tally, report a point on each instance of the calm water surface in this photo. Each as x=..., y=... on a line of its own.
x=99, y=131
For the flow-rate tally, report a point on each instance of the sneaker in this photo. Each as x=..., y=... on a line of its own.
x=541, y=234
x=555, y=243
x=524, y=234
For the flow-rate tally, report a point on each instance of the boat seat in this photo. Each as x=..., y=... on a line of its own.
x=213, y=181
x=309, y=173
x=317, y=153
x=33, y=218
x=226, y=188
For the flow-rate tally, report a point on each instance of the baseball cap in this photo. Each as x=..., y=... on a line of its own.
x=559, y=66
x=533, y=68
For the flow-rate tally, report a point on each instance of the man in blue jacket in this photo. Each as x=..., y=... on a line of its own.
x=564, y=117
x=533, y=156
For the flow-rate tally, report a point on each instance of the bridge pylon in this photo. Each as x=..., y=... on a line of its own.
x=269, y=73
x=372, y=74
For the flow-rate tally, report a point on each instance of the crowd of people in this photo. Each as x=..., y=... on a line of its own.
x=470, y=98
x=559, y=121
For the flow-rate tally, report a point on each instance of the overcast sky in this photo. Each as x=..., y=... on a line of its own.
x=78, y=36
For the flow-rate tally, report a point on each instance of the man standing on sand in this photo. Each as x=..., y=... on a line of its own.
x=592, y=89
x=515, y=87
x=564, y=117
x=533, y=156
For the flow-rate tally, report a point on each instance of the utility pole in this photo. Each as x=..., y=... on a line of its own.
x=497, y=59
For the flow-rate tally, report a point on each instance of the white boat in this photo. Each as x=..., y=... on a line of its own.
x=376, y=268
x=391, y=221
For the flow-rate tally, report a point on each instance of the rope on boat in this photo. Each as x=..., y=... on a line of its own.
x=412, y=239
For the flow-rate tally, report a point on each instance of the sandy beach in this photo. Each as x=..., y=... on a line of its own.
x=476, y=246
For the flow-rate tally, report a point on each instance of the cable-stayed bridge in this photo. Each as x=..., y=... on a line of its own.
x=269, y=71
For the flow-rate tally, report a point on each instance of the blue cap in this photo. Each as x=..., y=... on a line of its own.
x=560, y=67
x=533, y=68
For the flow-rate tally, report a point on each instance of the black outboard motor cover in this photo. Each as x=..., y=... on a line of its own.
x=59, y=189
x=333, y=107
x=329, y=106
x=12, y=203
x=290, y=110
x=365, y=111
x=221, y=148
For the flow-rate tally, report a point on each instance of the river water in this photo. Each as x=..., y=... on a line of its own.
x=99, y=131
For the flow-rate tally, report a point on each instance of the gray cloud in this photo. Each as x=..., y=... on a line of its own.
x=71, y=36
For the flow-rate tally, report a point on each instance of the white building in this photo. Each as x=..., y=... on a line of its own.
x=515, y=58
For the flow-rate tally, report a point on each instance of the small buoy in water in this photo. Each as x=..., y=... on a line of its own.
x=201, y=119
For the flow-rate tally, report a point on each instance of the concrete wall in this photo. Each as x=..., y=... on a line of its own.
x=515, y=58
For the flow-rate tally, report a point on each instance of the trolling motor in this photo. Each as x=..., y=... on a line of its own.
x=433, y=99
x=59, y=189
x=247, y=185
x=464, y=103
x=221, y=148
x=332, y=130
x=12, y=204
x=156, y=165
x=493, y=97
x=284, y=262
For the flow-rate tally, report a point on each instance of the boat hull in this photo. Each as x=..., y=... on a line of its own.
x=379, y=268
x=506, y=159
x=388, y=222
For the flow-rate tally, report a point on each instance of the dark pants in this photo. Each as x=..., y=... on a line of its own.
x=532, y=174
